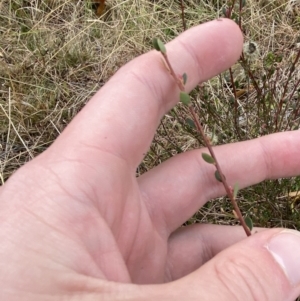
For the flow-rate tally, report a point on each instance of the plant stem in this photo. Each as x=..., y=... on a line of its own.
x=292, y=69
x=240, y=14
x=182, y=15
x=236, y=117
x=228, y=189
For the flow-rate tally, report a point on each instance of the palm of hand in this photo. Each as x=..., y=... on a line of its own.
x=105, y=230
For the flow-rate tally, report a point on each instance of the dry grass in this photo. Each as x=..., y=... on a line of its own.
x=55, y=54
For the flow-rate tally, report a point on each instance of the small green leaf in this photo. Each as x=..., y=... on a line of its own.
x=243, y=3
x=207, y=158
x=248, y=222
x=235, y=189
x=185, y=98
x=184, y=78
x=190, y=123
x=159, y=45
x=155, y=44
x=218, y=177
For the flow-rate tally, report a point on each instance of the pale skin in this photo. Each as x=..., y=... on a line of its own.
x=76, y=223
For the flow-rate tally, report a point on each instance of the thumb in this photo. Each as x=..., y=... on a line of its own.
x=265, y=266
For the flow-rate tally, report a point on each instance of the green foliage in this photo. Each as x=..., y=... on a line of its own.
x=218, y=176
x=190, y=123
x=271, y=58
x=159, y=45
x=169, y=32
x=207, y=158
x=249, y=222
x=235, y=190
x=184, y=98
x=184, y=78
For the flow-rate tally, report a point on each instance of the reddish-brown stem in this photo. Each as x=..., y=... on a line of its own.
x=230, y=9
x=240, y=14
x=208, y=145
x=235, y=104
x=251, y=75
x=289, y=100
x=182, y=15
x=218, y=167
x=178, y=80
x=292, y=69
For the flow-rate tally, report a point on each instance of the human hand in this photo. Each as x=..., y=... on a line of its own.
x=76, y=223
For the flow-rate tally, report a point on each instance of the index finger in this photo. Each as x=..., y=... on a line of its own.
x=122, y=117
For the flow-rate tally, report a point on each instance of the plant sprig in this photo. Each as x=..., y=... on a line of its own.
x=211, y=159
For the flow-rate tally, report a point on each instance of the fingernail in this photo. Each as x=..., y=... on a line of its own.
x=285, y=248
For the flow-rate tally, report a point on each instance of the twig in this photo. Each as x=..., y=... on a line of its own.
x=230, y=9
x=183, y=15
x=228, y=189
x=292, y=69
x=235, y=105
x=240, y=14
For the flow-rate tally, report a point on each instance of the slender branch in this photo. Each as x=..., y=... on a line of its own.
x=228, y=189
x=237, y=129
x=183, y=15
x=230, y=9
x=295, y=111
x=178, y=81
x=240, y=14
x=292, y=69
